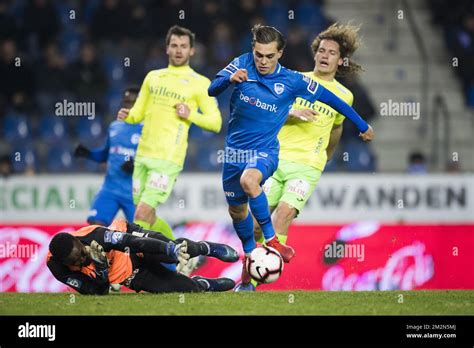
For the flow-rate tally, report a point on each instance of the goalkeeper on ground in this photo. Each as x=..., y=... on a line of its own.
x=94, y=257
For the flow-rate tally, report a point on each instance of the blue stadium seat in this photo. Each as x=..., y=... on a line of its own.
x=60, y=158
x=53, y=128
x=309, y=15
x=361, y=158
x=276, y=14
x=207, y=156
x=70, y=44
x=16, y=127
x=24, y=156
x=470, y=96
x=90, y=130
x=114, y=100
x=114, y=69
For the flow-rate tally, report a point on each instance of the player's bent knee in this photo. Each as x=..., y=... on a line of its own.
x=249, y=185
x=284, y=214
x=144, y=212
x=237, y=213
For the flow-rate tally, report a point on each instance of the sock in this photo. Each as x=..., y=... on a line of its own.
x=163, y=227
x=204, y=248
x=244, y=230
x=142, y=223
x=170, y=266
x=259, y=208
x=282, y=238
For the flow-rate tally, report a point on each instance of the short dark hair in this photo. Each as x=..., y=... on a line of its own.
x=265, y=34
x=180, y=31
x=132, y=89
x=61, y=246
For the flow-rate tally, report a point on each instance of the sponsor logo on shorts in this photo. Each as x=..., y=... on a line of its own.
x=136, y=186
x=267, y=185
x=158, y=181
x=229, y=194
x=298, y=187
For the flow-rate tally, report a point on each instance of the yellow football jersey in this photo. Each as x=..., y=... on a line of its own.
x=306, y=142
x=165, y=135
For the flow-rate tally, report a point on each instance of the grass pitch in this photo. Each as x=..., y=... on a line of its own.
x=258, y=303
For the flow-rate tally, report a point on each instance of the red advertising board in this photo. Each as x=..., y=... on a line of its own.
x=366, y=256
x=384, y=257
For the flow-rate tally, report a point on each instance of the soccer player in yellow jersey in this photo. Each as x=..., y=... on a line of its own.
x=309, y=137
x=167, y=105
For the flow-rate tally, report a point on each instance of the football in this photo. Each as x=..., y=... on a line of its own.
x=264, y=264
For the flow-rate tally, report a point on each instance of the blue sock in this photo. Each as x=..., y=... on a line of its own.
x=170, y=266
x=244, y=230
x=259, y=208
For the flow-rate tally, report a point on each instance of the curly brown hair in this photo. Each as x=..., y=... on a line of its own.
x=347, y=37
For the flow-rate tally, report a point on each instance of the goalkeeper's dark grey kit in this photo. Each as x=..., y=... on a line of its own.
x=133, y=257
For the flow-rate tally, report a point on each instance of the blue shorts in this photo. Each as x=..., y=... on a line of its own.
x=106, y=205
x=231, y=173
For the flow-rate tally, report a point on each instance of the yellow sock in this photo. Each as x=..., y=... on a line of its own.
x=163, y=227
x=282, y=238
x=143, y=224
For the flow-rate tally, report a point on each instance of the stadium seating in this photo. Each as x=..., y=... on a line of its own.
x=24, y=157
x=53, y=128
x=16, y=127
x=60, y=158
x=90, y=131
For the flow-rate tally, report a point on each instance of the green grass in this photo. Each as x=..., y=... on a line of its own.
x=259, y=303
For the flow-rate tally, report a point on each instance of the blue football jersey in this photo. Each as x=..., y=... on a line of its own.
x=121, y=144
x=259, y=107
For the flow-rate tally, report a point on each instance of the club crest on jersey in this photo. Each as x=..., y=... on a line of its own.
x=279, y=88
x=135, y=138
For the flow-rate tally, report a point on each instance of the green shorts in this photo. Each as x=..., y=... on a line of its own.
x=292, y=183
x=153, y=180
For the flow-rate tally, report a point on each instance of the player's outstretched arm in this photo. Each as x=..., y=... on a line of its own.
x=210, y=117
x=310, y=90
x=101, y=154
x=98, y=155
x=79, y=281
x=329, y=98
x=220, y=83
x=230, y=74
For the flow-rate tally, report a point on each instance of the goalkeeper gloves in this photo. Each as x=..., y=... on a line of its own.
x=179, y=252
x=128, y=166
x=100, y=260
x=81, y=151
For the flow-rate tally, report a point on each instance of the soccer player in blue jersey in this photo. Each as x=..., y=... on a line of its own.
x=118, y=151
x=263, y=94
